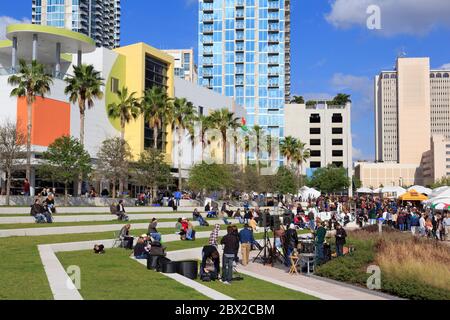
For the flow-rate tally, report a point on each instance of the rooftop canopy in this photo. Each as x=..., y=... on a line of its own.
x=44, y=43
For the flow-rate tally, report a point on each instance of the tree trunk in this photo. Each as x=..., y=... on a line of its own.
x=29, y=124
x=114, y=188
x=82, y=117
x=65, y=194
x=122, y=127
x=224, y=148
x=180, y=153
x=154, y=195
x=8, y=187
x=155, y=137
x=120, y=187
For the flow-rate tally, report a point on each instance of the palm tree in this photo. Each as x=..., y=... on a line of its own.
x=258, y=131
x=341, y=99
x=31, y=81
x=288, y=148
x=298, y=100
x=126, y=109
x=301, y=155
x=184, y=115
x=206, y=123
x=223, y=120
x=155, y=105
x=83, y=87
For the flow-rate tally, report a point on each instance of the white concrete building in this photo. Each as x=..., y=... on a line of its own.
x=327, y=132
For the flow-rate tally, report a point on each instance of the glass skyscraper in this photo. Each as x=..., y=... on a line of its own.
x=244, y=52
x=98, y=19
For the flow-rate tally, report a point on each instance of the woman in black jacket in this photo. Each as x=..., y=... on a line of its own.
x=340, y=236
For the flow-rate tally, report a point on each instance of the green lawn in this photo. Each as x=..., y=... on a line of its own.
x=22, y=275
x=251, y=288
x=114, y=276
x=76, y=224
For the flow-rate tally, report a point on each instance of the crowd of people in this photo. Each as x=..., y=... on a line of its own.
x=43, y=211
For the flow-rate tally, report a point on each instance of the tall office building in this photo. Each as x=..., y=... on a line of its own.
x=412, y=123
x=244, y=52
x=98, y=19
x=185, y=67
x=412, y=104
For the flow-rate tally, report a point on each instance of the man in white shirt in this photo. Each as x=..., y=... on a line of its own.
x=422, y=225
x=446, y=221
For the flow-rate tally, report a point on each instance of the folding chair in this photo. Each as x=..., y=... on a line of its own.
x=118, y=242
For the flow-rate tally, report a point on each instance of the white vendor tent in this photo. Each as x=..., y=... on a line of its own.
x=421, y=189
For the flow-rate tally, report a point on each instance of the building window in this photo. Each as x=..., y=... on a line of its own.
x=338, y=153
x=201, y=110
x=315, y=153
x=314, y=130
x=337, y=130
x=114, y=85
x=337, y=118
x=338, y=142
x=314, y=142
x=314, y=118
x=338, y=164
x=315, y=164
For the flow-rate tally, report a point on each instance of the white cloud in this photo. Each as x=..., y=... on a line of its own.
x=413, y=17
x=189, y=3
x=445, y=66
x=357, y=154
x=350, y=84
x=5, y=21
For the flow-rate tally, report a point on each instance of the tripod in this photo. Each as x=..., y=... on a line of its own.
x=266, y=251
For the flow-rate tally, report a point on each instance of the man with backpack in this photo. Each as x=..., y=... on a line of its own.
x=210, y=252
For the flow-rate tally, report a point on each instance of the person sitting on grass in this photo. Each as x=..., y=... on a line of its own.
x=179, y=226
x=212, y=212
x=198, y=217
x=237, y=215
x=37, y=211
x=190, y=233
x=152, y=232
x=49, y=204
x=224, y=218
x=141, y=250
x=124, y=235
x=120, y=212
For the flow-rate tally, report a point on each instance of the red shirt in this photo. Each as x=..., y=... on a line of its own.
x=26, y=187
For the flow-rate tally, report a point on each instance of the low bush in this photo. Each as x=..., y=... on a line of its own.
x=411, y=268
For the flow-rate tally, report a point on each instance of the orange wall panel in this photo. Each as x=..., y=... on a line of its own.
x=50, y=120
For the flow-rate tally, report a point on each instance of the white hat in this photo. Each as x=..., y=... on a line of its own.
x=184, y=218
x=292, y=226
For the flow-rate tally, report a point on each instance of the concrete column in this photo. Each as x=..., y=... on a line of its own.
x=79, y=56
x=58, y=60
x=35, y=43
x=14, y=55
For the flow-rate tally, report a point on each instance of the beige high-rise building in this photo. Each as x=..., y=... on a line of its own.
x=412, y=119
x=412, y=103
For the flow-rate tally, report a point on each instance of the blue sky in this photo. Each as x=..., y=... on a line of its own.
x=332, y=49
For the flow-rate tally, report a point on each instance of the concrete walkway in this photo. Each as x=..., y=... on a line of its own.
x=88, y=229
x=207, y=291
x=60, y=283
x=91, y=218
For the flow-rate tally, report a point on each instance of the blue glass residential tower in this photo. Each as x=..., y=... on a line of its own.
x=244, y=52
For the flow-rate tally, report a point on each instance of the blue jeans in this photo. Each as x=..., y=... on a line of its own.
x=226, y=220
x=287, y=260
x=241, y=220
x=142, y=256
x=401, y=226
x=177, y=202
x=156, y=236
x=311, y=224
x=227, y=267
x=40, y=218
x=319, y=253
x=339, y=250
